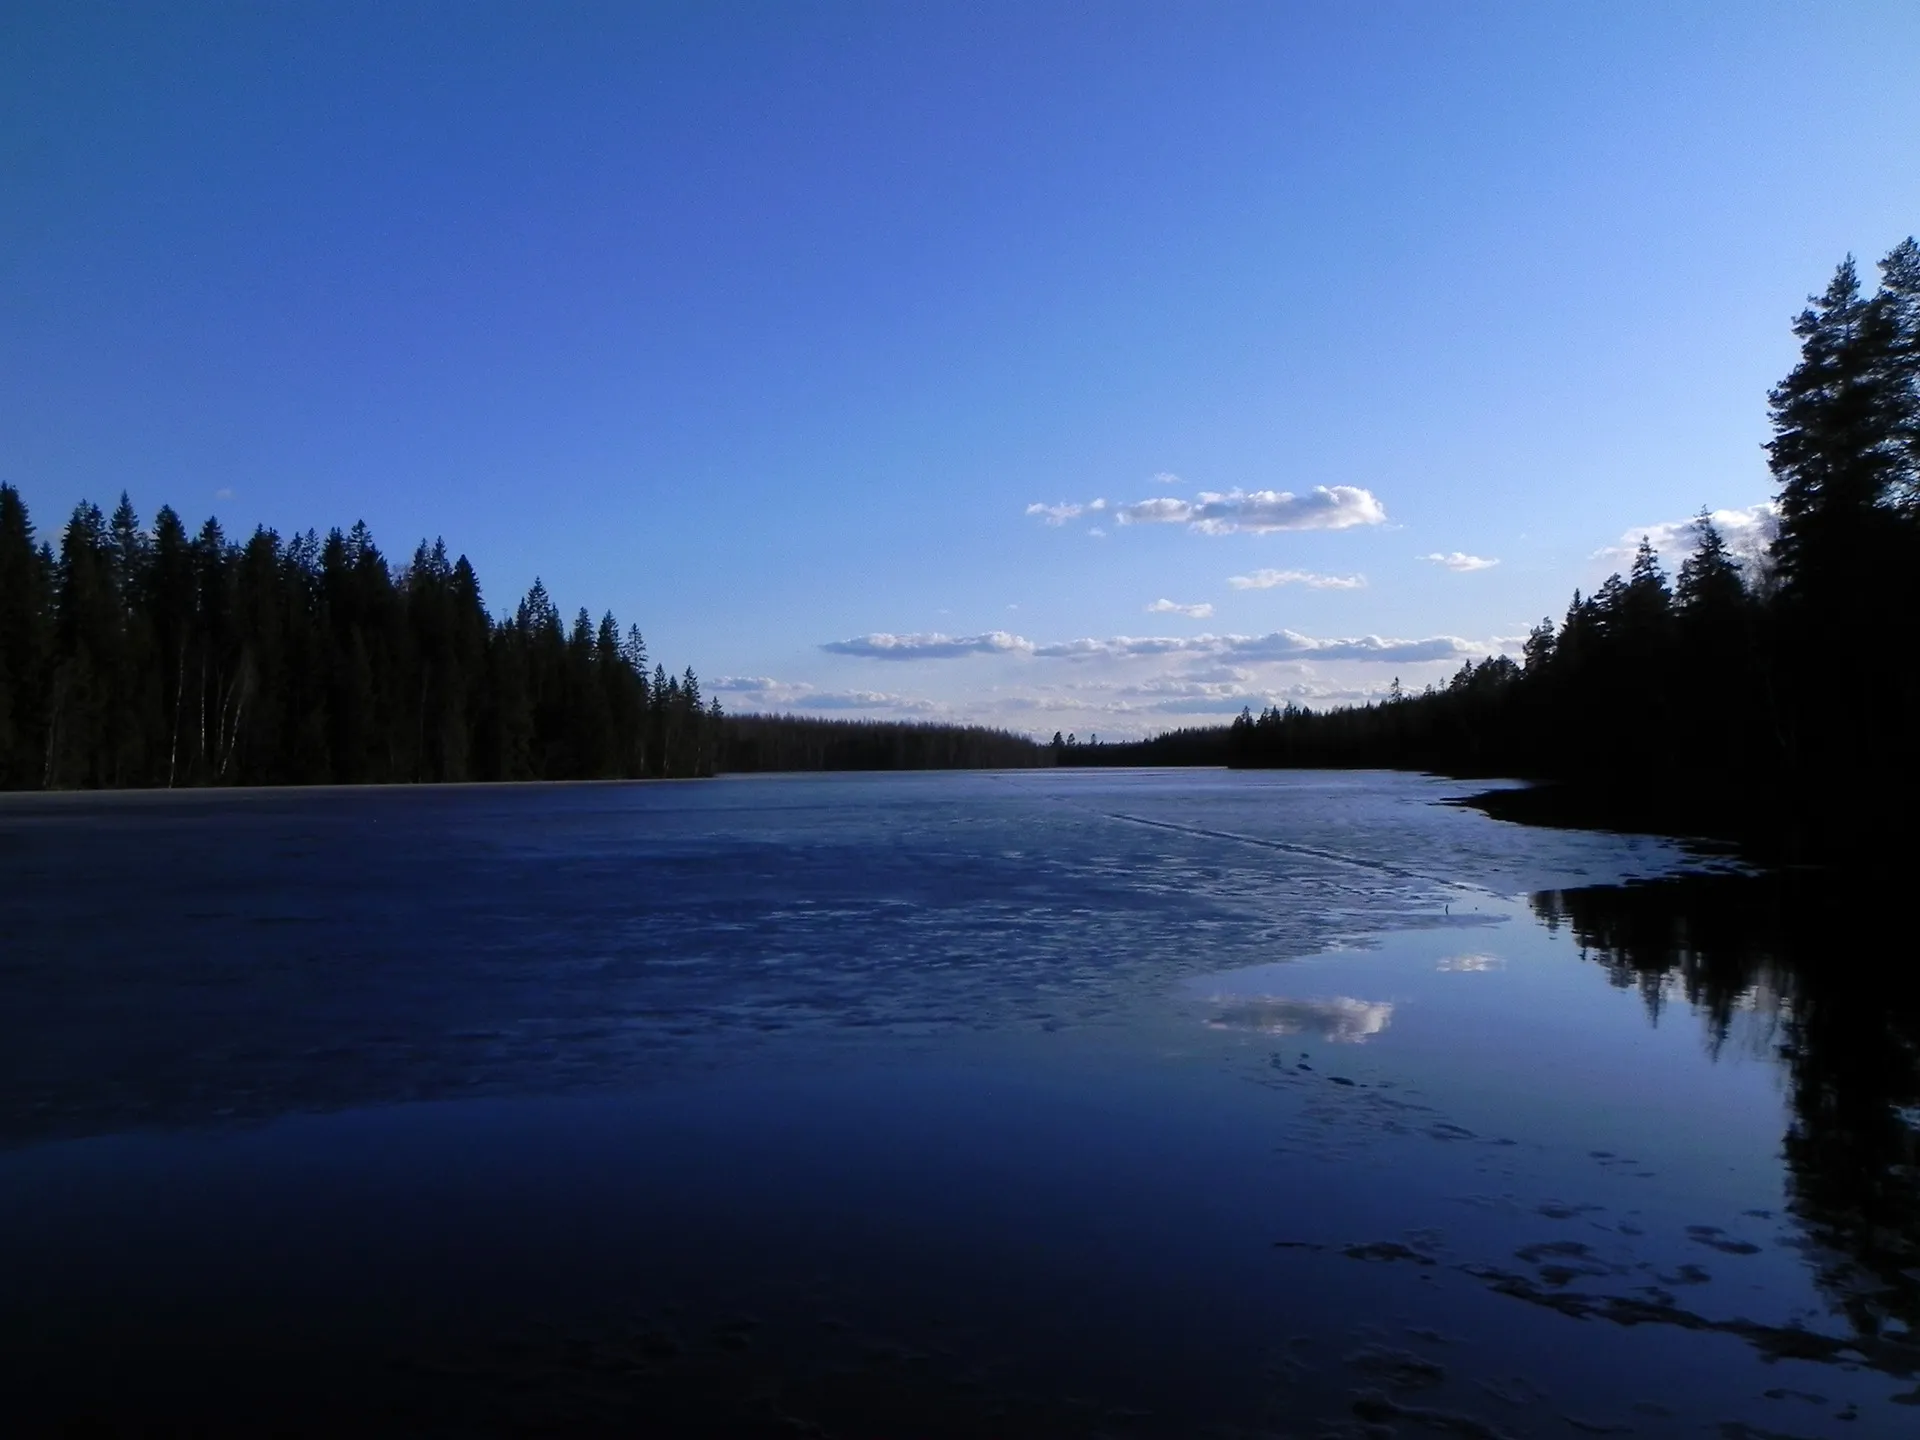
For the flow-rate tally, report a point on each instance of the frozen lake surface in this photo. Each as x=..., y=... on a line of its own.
x=1049, y=1103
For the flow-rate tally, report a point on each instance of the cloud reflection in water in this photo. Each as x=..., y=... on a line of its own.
x=1341, y=1019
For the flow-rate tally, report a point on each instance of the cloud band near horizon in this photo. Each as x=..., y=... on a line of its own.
x=1278, y=645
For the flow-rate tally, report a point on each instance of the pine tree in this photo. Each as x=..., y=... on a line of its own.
x=1538, y=651
x=1647, y=601
x=1899, y=298
x=1833, y=450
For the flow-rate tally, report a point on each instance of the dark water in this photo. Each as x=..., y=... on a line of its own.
x=1044, y=1104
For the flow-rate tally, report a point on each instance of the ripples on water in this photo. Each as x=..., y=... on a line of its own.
x=1160, y=1103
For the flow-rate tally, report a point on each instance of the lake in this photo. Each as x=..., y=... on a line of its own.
x=1047, y=1103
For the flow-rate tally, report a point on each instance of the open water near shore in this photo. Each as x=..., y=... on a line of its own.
x=1087, y=1103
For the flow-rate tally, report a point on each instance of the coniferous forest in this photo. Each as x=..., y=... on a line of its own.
x=1775, y=701
x=137, y=656
x=750, y=743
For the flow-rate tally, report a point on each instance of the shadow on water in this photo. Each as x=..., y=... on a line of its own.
x=1796, y=966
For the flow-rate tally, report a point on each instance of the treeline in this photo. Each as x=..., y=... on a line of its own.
x=1193, y=745
x=750, y=743
x=1777, y=700
x=148, y=656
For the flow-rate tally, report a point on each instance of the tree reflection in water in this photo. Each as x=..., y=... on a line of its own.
x=1796, y=966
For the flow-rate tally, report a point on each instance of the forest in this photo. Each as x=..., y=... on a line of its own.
x=750, y=743
x=148, y=656
x=1772, y=701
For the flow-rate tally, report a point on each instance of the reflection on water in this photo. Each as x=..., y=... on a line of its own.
x=1797, y=967
x=1341, y=1019
x=1469, y=964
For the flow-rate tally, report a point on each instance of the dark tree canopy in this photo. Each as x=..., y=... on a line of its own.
x=148, y=656
x=799, y=742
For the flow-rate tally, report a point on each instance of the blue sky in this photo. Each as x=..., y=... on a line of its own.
x=768, y=326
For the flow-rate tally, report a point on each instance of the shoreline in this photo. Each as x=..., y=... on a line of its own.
x=1570, y=805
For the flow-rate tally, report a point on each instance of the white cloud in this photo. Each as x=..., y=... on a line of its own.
x=1748, y=533
x=870, y=700
x=760, y=689
x=1268, y=579
x=1169, y=607
x=1055, y=514
x=225, y=492
x=1245, y=649
x=1289, y=645
x=1217, y=674
x=764, y=691
x=1168, y=510
x=1132, y=687
x=1151, y=703
x=929, y=647
x=1280, y=645
x=1461, y=563
x=1128, y=647
x=1325, y=507
x=1335, y=507
x=1167, y=477
x=1123, y=686
x=1196, y=694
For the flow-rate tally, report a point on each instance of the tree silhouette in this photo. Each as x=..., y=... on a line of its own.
x=149, y=656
